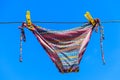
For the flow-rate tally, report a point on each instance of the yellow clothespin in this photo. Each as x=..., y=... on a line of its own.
x=89, y=17
x=28, y=21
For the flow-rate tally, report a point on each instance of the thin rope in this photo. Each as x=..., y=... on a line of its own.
x=44, y=22
x=109, y=21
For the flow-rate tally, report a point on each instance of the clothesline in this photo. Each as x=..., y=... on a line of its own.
x=15, y=22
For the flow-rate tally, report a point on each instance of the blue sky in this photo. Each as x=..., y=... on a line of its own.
x=36, y=64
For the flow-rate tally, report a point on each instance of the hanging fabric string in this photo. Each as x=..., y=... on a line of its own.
x=101, y=42
x=98, y=24
x=22, y=38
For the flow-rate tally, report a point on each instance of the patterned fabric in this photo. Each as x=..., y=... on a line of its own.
x=22, y=38
x=65, y=48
